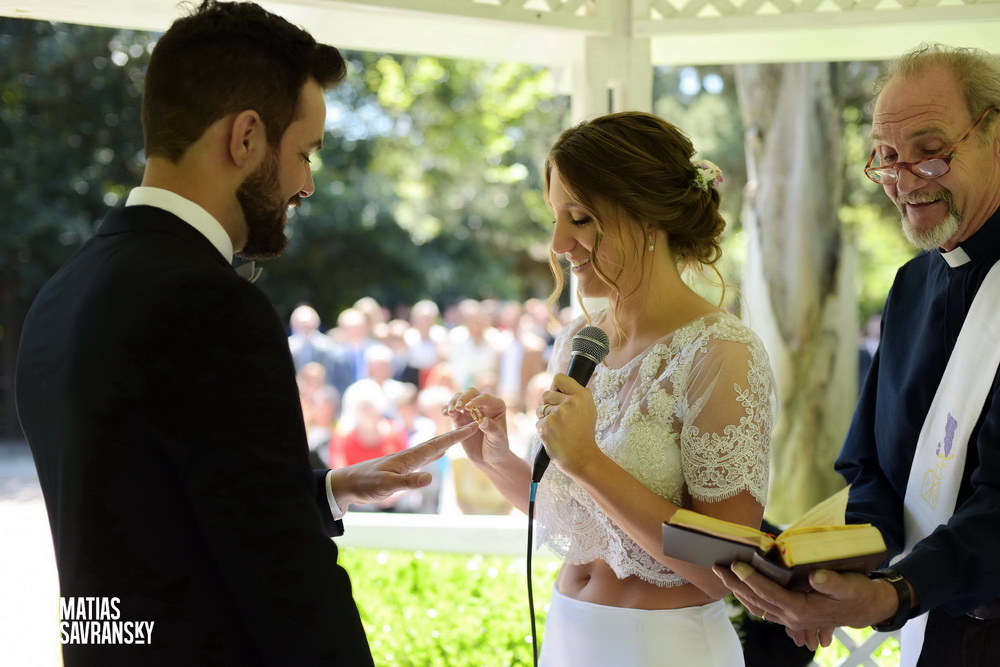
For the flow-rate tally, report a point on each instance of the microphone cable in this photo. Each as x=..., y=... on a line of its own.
x=531, y=599
x=537, y=470
x=588, y=348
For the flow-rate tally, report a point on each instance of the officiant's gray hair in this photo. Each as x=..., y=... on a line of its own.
x=977, y=73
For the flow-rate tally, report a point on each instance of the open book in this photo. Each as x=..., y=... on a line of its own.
x=818, y=539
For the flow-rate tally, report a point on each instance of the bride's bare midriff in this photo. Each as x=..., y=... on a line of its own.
x=597, y=583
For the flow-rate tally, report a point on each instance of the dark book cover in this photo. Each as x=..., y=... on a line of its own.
x=797, y=577
x=693, y=546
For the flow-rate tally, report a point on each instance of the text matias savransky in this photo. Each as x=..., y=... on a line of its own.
x=98, y=620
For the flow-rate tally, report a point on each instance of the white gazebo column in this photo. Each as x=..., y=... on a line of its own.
x=614, y=72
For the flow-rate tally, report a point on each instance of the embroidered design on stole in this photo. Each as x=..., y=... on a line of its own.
x=930, y=490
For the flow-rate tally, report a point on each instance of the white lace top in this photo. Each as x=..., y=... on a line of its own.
x=689, y=418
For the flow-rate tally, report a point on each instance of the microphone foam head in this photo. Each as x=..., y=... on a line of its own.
x=592, y=342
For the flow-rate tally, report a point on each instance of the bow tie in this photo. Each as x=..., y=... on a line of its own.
x=249, y=271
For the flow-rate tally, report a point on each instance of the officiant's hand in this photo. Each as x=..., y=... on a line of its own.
x=837, y=599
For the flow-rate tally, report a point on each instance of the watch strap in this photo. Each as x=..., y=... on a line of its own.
x=902, y=589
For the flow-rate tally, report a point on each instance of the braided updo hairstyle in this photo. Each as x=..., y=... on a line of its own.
x=637, y=165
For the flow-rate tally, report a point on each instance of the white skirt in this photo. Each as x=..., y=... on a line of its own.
x=583, y=634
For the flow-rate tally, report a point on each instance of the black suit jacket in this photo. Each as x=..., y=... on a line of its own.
x=157, y=393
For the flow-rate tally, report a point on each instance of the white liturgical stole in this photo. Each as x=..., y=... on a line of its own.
x=939, y=459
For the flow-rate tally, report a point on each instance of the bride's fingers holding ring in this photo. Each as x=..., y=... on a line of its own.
x=453, y=403
x=459, y=401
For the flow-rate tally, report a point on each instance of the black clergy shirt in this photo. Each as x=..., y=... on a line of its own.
x=957, y=567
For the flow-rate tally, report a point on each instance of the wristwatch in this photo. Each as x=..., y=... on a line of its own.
x=902, y=614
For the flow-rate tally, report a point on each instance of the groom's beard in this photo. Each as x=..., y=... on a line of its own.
x=264, y=210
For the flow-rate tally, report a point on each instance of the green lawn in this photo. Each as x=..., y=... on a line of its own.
x=447, y=610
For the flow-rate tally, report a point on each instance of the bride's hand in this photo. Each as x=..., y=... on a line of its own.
x=490, y=413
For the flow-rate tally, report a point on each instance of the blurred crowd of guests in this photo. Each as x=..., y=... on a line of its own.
x=374, y=382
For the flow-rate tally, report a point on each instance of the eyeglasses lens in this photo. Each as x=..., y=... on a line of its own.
x=933, y=168
x=882, y=175
x=930, y=168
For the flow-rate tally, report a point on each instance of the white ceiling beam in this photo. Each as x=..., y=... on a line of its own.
x=825, y=36
x=358, y=26
x=552, y=32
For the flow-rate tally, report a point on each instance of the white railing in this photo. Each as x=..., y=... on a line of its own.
x=482, y=534
x=864, y=649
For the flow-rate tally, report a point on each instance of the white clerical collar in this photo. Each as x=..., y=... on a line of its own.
x=956, y=257
x=186, y=210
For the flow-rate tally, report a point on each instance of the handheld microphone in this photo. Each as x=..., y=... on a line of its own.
x=589, y=347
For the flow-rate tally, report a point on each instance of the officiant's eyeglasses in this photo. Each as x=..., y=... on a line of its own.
x=932, y=167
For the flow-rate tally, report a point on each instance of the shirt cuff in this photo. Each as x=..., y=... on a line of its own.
x=335, y=510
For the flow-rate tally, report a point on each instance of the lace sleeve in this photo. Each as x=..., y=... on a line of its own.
x=727, y=419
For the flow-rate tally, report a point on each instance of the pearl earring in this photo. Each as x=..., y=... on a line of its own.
x=650, y=243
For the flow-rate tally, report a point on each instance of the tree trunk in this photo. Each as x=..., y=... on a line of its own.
x=799, y=284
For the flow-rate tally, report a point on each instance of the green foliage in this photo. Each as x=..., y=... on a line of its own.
x=447, y=610
x=427, y=186
x=702, y=102
x=70, y=145
x=70, y=140
x=710, y=116
x=870, y=219
x=882, y=250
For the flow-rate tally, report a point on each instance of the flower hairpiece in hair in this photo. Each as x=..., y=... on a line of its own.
x=707, y=174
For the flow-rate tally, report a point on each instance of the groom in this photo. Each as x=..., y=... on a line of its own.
x=157, y=392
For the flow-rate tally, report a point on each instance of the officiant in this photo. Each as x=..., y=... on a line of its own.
x=923, y=450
